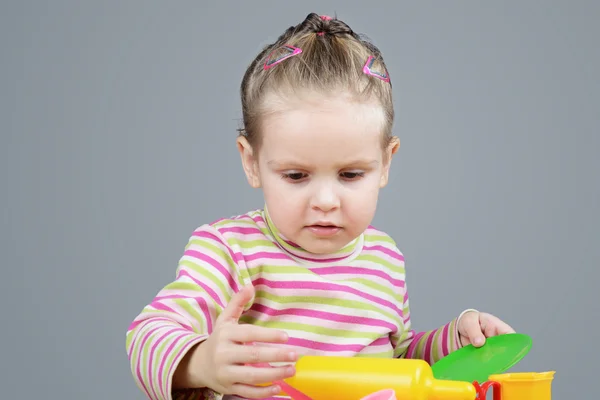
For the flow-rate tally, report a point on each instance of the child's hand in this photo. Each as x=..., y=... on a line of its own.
x=222, y=358
x=475, y=326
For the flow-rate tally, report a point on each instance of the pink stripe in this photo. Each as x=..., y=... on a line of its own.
x=385, y=250
x=183, y=350
x=266, y=255
x=244, y=217
x=456, y=336
x=355, y=271
x=148, y=322
x=327, y=316
x=211, y=292
x=412, y=347
x=164, y=360
x=152, y=350
x=283, y=256
x=222, y=269
x=206, y=311
x=241, y=230
x=329, y=347
x=137, y=368
x=317, y=259
x=445, y=351
x=428, y=344
x=135, y=323
x=328, y=287
x=219, y=242
x=201, y=303
x=160, y=306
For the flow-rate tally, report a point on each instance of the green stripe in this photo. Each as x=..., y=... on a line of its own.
x=381, y=261
x=250, y=244
x=451, y=329
x=379, y=287
x=280, y=269
x=379, y=238
x=405, y=309
x=284, y=325
x=135, y=354
x=419, y=352
x=202, y=270
x=184, y=286
x=158, y=355
x=233, y=268
x=230, y=223
x=287, y=269
x=171, y=356
x=144, y=357
x=386, y=354
x=401, y=349
x=193, y=310
x=128, y=338
x=435, y=353
x=218, y=251
x=349, y=304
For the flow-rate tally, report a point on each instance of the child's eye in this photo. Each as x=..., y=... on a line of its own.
x=352, y=175
x=293, y=176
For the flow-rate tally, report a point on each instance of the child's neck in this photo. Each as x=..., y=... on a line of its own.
x=343, y=254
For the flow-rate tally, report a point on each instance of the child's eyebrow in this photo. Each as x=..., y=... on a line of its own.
x=371, y=163
x=291, y=164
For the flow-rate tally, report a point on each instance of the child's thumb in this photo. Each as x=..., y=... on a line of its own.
x=234, y=309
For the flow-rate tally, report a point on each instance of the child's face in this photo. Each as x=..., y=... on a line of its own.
x=320, y=163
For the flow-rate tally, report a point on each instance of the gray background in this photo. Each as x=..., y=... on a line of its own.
x=117, y=139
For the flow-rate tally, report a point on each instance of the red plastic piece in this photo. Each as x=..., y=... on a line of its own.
x=483, y=389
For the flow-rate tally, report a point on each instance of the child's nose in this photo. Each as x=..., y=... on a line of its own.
x=325, y=198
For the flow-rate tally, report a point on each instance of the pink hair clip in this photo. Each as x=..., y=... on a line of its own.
x=367, y=70
x=324, y=18
x=289, y=51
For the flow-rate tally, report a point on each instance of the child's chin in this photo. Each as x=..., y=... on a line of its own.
x=322, y=246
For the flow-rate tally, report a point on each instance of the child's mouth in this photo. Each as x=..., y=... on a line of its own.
x=324, y=229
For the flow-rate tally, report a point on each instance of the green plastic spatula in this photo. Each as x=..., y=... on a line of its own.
x=470, y=363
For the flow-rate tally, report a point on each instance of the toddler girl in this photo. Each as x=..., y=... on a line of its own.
x=307, y=274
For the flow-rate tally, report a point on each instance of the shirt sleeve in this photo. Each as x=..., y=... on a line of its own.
x=431, y=345
x=182, y=314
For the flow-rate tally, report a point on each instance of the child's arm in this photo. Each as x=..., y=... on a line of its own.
x=182, y=314
x=430, y=345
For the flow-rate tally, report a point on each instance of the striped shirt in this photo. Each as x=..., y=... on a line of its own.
x=353, y=303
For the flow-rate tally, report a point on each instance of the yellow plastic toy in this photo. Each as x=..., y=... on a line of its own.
x=341, y=378
x=360, y=378
x=455, y=377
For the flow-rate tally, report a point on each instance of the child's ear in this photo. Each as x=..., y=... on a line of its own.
x=249, y=162
x=389, y=152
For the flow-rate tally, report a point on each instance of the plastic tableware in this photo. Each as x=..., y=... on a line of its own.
x=525, y=385
x=470, y=363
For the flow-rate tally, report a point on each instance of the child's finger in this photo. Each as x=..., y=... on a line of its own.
x=472, y=329
x=504, y=328
x=495, y=326
x=233, y=311
x=261, y=375
x=247, y=333
x=255, y=392
x=257, y=354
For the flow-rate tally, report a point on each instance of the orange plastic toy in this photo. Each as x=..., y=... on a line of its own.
x=520, y=386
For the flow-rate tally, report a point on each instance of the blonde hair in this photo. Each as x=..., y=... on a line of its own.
x=331, y=60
